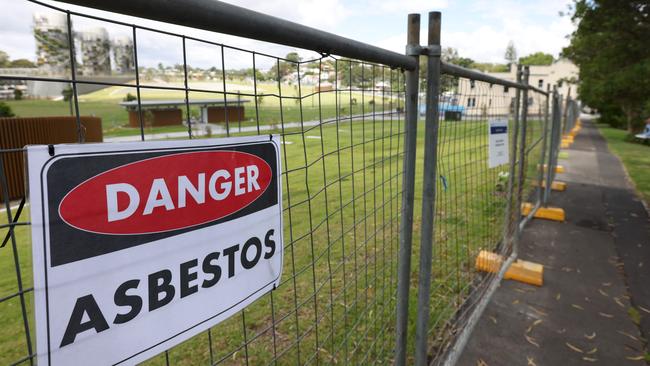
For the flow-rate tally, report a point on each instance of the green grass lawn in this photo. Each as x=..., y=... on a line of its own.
x=269, y=109
x=341, y=197
x=635, y=157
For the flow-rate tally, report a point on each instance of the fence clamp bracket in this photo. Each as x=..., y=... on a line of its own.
x=417, y=50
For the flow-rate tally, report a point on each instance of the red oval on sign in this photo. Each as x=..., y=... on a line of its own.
x=166, y=193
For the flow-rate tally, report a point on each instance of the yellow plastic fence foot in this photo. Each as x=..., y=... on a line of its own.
x=565, y=145
x=548, y=213
x=558, y=168
x=555, y=186
x=522, y=271
x=558, y=186
x=568, y=138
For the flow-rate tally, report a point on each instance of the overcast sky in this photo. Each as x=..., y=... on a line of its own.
x=479, y=29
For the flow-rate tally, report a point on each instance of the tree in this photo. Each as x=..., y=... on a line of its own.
x=610, y=46
x=4, y=59
x=283, y=68
x=511, y=53
x=21, y=62
x=449, y=55
x=490, y=67
x=537, y=58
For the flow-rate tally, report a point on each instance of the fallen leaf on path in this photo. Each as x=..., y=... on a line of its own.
x=574, y=348
x=603, y=292
x=627, y=335
x=594, y=350
x=532, y=341
x=644, y=309
x=591, y=336
x=531, y=361
x=577, y=306
x=585, y=358
x=557, y=297
x=537, y=310
x=635, y=358
x=494, y=320
x=535, y=323
x=619, y=302
x=480, y=362
x=607, y=284
x=606, y=315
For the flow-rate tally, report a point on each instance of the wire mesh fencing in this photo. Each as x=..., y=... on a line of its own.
x=345, y=170
x=340, y=123
x=478, y=202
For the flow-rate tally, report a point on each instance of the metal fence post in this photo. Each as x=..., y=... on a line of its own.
x=542, y=159
x=408, y=187
x=521, y=156
x=552, y=156
x=513, y=162
x=429, y=187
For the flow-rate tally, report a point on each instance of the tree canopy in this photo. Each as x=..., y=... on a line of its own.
x=537, y=58
x=511, y=53
x=610, y=46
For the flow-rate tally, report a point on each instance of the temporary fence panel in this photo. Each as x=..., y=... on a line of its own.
x=350, y=146
x=341, y=124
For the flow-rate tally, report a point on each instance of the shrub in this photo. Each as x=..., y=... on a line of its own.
x=130, y=97
x=5, y=110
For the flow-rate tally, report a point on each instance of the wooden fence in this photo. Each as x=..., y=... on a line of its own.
x=16, y=133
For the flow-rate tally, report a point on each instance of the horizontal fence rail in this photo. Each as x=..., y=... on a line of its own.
x=355, y=158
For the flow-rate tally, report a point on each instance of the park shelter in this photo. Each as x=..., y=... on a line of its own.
x=170, y=112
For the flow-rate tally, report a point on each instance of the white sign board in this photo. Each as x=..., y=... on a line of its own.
x=497, y=142
x=140, y=246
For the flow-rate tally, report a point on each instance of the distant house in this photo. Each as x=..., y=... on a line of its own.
x=498, y=100
x=382, y=86
x=324, y=86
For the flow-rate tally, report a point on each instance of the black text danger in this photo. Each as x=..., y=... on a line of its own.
x=166, y=285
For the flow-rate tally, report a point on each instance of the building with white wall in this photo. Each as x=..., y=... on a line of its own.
x=498, y=100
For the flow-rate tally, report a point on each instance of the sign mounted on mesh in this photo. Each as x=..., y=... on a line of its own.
x=498, y=142
x=138, y=247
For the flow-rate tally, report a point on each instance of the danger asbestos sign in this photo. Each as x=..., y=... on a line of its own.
x=138, y=247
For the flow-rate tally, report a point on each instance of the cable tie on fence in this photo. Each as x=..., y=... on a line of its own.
x=443, y=179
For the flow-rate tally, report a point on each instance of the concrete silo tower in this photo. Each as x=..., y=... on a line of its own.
x=52, y=42
x=95, y=52
x=123, y=55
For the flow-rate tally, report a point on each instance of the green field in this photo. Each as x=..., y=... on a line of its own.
x=266, y=110
x=635, y=156
x=341, y=195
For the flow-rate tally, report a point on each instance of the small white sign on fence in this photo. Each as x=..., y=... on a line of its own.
x=140, y=246
x=498, y=142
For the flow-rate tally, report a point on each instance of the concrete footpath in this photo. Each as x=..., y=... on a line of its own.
x=594, y=306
